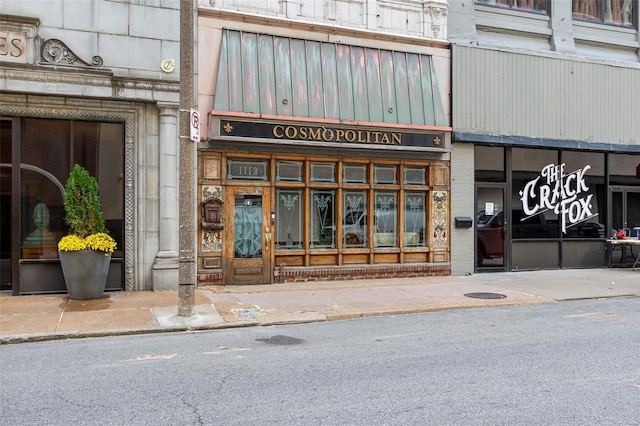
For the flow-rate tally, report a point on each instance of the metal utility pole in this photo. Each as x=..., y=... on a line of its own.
x=187, y=191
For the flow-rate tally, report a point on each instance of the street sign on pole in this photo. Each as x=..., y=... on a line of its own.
x=194, y=120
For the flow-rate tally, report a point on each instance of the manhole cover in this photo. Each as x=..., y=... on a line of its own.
x=486, y=295
x=280, y=340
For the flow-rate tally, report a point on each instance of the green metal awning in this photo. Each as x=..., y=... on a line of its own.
x=295, y=78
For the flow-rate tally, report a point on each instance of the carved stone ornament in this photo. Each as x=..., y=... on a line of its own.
x=54, y=51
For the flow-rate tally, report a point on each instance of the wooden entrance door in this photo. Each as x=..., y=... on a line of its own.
x=248, y=232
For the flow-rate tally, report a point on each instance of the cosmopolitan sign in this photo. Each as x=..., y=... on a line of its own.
x=563, y=193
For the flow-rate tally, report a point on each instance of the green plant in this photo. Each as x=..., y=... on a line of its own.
x=83, y=214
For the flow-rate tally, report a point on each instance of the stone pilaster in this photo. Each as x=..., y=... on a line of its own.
x=165, y=268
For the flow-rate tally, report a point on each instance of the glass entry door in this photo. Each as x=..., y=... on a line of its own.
x=248, y=259
x=490, y=228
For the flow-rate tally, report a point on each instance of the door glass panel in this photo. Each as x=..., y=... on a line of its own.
x=247, y=226
x=490, y=222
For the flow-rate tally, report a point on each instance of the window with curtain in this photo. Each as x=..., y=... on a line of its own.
x=611, y=12
x=540, y=6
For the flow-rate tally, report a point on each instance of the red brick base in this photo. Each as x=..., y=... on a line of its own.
x=353, y=272
x=339, y=273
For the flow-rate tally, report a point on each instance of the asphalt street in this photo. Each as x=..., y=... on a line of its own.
x=569, y=363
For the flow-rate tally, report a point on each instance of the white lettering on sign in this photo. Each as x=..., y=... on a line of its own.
x=564, y=194
x=13, y=46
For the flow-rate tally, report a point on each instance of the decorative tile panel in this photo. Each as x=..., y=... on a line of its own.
x=439, y=223
x=211, y=240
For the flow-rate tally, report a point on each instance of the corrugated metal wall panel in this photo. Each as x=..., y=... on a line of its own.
x=283, y=77
x=250, y=72
x=345, y=82
x=388, y=86
x=266, y=74
x=314, y=80
x=299, y=78
x=374, y=87
x=519, y=94
x=330, y=82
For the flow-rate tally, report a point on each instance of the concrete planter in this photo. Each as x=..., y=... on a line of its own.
x=85, y=273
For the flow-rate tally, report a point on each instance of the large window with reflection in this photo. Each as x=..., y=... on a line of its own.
x=33, y=216
x=352, y=211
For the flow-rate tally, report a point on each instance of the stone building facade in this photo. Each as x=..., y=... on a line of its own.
x=95, y=83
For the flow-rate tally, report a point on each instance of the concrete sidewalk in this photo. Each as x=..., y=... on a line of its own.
x=33, y=318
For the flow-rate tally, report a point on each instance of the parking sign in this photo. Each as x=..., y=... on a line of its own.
x=194, y=120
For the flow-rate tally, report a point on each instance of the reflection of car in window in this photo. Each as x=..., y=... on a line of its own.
x=490, y=231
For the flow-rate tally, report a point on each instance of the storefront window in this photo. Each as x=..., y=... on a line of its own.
x=489, y=164
x=585, y=215
x=323, y=172
x=323, y=229
x=414, y=219
x=534, y=176
x=354, y=230
x=354, y=173
x=384, y=174
x=624, y=169
x=414, y=176
x=385, y=213
x=47, y=151
x=290, y=171
x=288, y=219
x=350, y=213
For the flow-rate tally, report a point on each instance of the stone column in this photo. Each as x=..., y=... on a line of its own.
x=165, y=268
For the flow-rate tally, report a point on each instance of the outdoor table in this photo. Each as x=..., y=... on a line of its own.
x=623, y=242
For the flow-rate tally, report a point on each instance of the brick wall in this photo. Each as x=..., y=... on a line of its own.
x=340, y=273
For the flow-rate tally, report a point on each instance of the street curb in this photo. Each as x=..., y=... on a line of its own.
x=308, y=318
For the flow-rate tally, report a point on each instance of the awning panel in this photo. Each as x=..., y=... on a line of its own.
x=272, y=75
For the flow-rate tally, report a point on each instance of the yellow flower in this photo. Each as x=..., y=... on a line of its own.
x=97, y=242
x=101, y=242
x=71, y=243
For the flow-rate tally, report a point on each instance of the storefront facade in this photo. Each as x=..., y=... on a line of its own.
x=550, y=152
x=99, y=96
x=325, y=155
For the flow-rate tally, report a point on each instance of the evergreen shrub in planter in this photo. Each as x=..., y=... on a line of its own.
x=85, y=252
